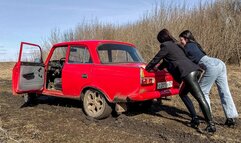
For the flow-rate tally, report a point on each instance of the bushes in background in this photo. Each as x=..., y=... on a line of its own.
x=217, y=27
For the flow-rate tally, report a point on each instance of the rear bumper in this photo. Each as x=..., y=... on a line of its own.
x=147, y=95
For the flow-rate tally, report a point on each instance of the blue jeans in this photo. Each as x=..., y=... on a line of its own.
x=215, y=71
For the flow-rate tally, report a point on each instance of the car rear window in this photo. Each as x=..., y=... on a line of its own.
x=118, y=53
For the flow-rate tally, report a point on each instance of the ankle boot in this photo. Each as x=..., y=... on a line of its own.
x=211, y=127
x=230, y=122
x=195, y=122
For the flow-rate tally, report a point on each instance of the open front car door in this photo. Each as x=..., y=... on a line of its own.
x=28, y=72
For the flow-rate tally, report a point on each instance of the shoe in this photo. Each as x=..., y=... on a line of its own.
x=195, y=122
x=230, y=122
x=211, y=127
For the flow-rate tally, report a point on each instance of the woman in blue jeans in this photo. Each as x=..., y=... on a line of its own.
x=215, y=72
x=184, y=70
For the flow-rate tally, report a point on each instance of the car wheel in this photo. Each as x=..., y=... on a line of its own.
x=95, y=105
x=29, y=98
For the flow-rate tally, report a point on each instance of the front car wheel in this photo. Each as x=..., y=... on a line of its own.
x=29, y=98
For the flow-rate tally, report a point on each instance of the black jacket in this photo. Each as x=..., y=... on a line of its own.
x=170, y=68
x=174, y=55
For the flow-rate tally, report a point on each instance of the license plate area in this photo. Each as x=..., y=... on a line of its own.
x=162, y=85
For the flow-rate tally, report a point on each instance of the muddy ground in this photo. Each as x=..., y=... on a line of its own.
x=59, y=120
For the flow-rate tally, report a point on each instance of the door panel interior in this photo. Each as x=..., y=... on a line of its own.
x=31, y=77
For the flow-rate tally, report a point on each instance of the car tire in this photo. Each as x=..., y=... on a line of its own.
x=95, y=104
x=29, y=98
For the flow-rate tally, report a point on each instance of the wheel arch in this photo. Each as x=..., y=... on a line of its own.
x=94, y=88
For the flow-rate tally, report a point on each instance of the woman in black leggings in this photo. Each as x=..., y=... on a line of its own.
x=186, y=71
x=184, y=90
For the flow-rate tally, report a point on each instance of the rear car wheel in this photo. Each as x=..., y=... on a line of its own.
x=95, y=105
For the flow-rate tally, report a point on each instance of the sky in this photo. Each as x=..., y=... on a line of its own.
x=33, y=20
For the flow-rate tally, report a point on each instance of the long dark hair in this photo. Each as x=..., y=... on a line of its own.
x=190, y=39
x=164, y=35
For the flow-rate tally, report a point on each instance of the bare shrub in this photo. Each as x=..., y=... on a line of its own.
x=217, y=27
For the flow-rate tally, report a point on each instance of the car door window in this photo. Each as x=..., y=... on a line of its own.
x=31, y=54
x=79, y=54
x=59, y=52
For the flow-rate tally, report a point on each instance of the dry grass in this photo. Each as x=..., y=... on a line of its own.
x=6, y=70
x=5, y=76
x=217, y=27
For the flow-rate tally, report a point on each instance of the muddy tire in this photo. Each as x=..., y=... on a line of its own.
x=29, y=98
x=95, y=105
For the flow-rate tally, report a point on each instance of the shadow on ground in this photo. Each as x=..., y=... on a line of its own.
x=155, y=109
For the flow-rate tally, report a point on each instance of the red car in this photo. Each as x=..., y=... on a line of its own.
x=104, y=74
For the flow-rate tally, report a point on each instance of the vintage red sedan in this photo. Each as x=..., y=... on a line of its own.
x=104, y=74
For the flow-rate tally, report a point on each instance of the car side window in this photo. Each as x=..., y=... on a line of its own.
x=79, y=54
x=59, y=52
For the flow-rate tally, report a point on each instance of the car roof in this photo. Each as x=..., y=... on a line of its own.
x=97, y=42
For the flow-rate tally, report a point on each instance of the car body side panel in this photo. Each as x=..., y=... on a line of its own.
x=75, y=77
x=117, y=80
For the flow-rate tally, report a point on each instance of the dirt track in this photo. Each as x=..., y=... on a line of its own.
x=62, y=120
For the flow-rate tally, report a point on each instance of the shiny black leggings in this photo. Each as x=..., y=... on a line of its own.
x=190, y=84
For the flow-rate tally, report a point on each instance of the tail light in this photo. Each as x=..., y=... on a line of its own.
x=146, y=80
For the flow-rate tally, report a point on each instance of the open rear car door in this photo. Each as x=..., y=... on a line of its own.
x=28, y=72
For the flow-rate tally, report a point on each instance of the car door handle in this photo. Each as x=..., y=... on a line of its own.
x=28, y=76
x=84, y=76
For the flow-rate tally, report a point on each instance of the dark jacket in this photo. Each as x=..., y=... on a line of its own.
x=175, y=55
x=170, y=68
x=193, y=52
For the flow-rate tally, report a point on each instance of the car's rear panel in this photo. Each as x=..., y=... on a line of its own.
x=130, y=82
x=155, y=85
x=164, y=80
